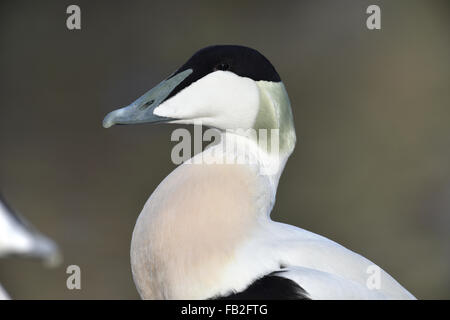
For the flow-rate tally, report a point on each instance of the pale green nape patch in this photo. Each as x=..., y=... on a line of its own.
x=275, y=113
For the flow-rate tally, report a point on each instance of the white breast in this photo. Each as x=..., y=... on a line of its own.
x=206, y=231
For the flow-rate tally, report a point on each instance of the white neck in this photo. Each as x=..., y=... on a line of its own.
x=237, y=149
x=190, y=229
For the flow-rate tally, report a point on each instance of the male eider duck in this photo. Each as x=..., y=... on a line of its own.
x=20, y=238
x=206, y=232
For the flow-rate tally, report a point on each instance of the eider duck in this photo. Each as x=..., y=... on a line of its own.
x=206, y=231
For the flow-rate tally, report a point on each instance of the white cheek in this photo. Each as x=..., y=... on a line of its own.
x=220, y=99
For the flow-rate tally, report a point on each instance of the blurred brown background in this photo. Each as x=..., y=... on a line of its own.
x=372, y=109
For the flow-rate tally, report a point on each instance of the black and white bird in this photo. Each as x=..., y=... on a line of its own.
x=19, y=238
x=206, y=232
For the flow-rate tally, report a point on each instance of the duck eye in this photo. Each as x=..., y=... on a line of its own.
x=222, y=66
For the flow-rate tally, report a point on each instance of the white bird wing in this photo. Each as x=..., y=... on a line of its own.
x=17, y=236
x=320, y=285
x=14, y=238
x=323, y=268
x=331, y=271
x=3, y=294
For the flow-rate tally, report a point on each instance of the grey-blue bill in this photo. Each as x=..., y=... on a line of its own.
x=141, y=110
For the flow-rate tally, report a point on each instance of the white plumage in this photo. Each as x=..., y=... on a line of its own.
x=206, y=231
x=3, y=294
x=18, y=237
